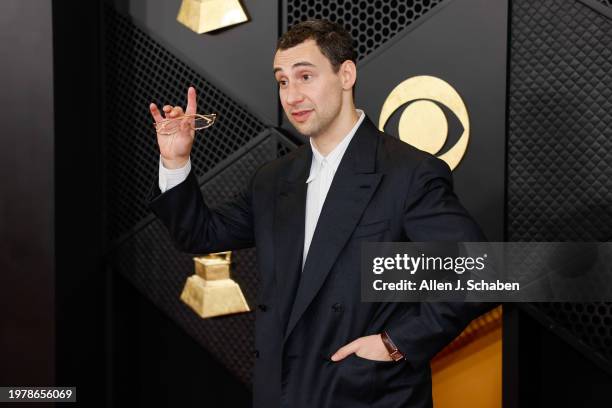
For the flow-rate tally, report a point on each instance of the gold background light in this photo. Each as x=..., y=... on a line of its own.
x=422, y=123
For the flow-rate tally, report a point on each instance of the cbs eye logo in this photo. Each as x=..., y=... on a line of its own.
x=422, y=123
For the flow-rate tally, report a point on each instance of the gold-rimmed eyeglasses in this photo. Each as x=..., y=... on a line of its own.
x=195, y=121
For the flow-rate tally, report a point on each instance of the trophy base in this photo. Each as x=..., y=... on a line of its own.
x=209, y=298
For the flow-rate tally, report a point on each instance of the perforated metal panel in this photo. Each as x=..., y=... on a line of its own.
x=151, y=262
x=371, y=23
x=560, y=145
x=140, y=71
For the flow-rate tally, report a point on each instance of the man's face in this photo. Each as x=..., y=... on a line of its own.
x=309, y=90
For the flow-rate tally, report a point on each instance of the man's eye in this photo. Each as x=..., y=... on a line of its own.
x=282, y=82
x=306, y=77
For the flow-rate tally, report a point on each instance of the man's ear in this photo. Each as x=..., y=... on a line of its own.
x=348, y=74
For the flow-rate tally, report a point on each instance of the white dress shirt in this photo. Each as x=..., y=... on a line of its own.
x=322, y=171
x=169, y=178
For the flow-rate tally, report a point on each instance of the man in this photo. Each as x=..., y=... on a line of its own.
x=307, y=213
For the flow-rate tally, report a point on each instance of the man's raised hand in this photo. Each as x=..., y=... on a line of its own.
x=175, y=147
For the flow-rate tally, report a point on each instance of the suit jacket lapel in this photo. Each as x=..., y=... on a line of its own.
x=350, y=192
x=289, y=218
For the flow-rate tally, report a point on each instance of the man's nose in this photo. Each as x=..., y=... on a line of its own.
x=293, y=95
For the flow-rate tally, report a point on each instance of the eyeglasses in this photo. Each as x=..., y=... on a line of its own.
x=196, y=122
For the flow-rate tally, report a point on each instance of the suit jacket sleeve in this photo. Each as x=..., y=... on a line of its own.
x=432, y=212
x=196, y=228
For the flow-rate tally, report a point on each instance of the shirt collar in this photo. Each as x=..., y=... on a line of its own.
x=334, y=157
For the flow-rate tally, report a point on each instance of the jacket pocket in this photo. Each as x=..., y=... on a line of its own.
x=370, y=228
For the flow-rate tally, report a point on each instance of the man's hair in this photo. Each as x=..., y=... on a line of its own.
x=331, y=38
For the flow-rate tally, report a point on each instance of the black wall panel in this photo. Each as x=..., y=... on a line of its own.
x=560, y=147
x=138, y=71
x=156, y=363
x=142, y=65
x=80, y=215
x=463, y=43
x=560, y=140
x=149, y=260
x=238, y=59
x=371, y=23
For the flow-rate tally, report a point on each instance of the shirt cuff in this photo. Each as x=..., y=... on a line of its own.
x=169, y=178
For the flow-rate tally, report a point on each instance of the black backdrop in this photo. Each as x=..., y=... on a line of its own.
x=121, y=334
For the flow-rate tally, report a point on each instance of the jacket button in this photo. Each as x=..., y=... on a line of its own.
x=262, y=307
x=256, y=354
x=337, y=307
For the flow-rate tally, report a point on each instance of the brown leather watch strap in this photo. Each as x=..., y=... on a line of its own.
x=395, y=354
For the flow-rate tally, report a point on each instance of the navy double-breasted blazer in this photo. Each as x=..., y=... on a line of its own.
x=383, y=190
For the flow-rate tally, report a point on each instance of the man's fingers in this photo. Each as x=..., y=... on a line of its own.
x=345, y=351
x=176, y=112
x=192, y=104
x=166, y=109
x=171, y=112
x=155, y=113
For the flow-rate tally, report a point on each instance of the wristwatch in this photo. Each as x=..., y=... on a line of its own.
x=395, y=354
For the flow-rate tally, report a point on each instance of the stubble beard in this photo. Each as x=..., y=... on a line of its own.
x=323, y=123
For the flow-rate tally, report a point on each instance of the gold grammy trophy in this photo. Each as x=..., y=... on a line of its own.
x=210, y=291
x=203, y=16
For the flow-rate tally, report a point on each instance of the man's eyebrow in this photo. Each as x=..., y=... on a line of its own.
x=297, y=64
